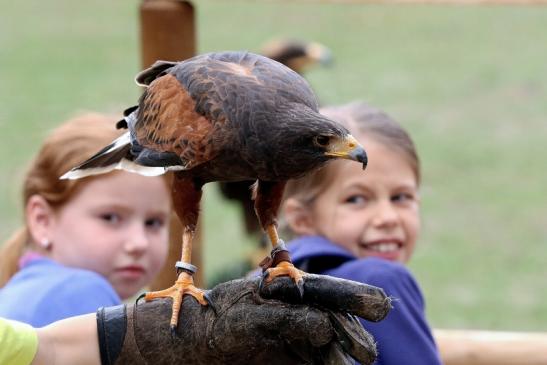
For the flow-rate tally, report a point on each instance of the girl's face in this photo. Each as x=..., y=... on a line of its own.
x=373, y=212
x=117, y=226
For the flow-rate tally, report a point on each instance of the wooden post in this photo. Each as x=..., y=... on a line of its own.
x=168, y=33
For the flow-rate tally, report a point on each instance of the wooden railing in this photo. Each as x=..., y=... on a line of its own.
x=473, y=347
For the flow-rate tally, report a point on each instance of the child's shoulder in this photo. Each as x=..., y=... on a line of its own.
x=50, y=275
x=72, y=282
x=308, y=247
x=378, y=272
x=45, y=291
x=380, y=267
x=395, y=278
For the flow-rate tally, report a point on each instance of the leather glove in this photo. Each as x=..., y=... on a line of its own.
x=249, y=322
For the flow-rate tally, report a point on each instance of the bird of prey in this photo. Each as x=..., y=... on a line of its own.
x=299, y=56
x=296, y=54
x=225, y=116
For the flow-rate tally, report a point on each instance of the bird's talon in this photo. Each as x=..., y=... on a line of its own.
x=261, y=284
x=173, y=331
x=183, y=286
x=209, y=301
x=300, y=287
x=143, y=295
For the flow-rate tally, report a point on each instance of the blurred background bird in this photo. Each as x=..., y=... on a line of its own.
x=298, y=55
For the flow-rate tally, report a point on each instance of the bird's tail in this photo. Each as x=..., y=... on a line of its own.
x=115, y=156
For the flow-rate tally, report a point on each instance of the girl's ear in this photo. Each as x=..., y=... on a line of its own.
x=298, y=217
x=40, y=219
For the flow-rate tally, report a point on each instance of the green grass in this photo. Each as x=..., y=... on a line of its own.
x=469, y=82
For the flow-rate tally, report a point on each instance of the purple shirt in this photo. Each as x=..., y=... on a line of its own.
x=404, y=336
x=44, y=291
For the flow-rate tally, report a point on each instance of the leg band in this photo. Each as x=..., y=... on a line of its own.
x=186, y=266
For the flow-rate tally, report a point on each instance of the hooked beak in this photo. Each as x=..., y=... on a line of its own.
x=349, y=149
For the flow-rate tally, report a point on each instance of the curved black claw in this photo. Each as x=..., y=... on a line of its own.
x=173, y=330
x=209, y=301
x=263, y=278
x=300, y=288
x=139, y=298
x=299, y=284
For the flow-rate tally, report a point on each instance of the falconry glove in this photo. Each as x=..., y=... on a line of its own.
x=249, y=323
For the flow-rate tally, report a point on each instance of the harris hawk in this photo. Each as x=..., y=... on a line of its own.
x=226, y=116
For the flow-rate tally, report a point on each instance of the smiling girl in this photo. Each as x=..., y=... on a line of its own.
x=363, y=226
x=86, y=243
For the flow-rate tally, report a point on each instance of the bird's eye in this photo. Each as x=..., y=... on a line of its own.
x=322, y=141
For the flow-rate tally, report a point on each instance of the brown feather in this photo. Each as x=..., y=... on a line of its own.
x=167, y=122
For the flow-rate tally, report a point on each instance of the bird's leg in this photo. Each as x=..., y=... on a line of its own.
x=186, y=198
x=281, y=264
x=267, y=196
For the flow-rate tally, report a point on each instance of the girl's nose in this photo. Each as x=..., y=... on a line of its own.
x=137, y=240
x=385, y=215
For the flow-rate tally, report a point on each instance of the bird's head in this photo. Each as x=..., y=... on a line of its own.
x=344, y=146
x=326, y=139
x=308, y=140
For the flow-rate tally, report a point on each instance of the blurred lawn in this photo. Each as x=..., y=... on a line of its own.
x=470, y=83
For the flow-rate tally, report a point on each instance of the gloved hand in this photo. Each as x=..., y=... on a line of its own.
x=249, y=323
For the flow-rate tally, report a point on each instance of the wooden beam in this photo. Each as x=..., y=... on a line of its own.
x=472, y=347
x=429, y=2
x=168, y=32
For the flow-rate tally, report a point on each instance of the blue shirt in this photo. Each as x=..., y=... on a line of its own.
x=404, y=336
x=44, y=291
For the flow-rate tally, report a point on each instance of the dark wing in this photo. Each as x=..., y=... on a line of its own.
x=233, y=85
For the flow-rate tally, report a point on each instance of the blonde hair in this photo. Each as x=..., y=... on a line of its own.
x=360, y=119
x=65, y=147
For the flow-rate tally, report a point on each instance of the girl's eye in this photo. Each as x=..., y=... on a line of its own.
x=356, y=199
x=402, y=197
x=154, y=223
x=112, y=218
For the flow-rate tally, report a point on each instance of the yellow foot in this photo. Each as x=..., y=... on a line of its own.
x=285, y=268
x=183, y=286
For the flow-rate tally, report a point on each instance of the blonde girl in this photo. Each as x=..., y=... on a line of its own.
x=363, y=226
